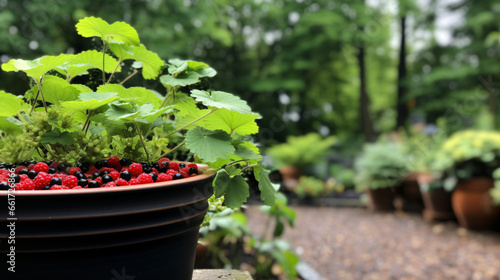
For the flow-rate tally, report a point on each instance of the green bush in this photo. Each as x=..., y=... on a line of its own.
x=382, y=164
x=300, y=151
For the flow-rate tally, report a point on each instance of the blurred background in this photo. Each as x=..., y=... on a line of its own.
x=328, y=77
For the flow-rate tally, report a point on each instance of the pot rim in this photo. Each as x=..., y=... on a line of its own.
x=205, y=169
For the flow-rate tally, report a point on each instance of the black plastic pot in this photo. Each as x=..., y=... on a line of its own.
x=137, y=232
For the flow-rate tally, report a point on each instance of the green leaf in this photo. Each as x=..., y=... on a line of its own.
x=182, y=80
x=86, y=60
x=56, y=90
x=220, y=99
x=151, y=62
x=57, y=137
x=126, y=111
x=116, y=33
x=11, y=125
x=119, y=111
x=233, y=122
x=38, y=67
x=237, y=192
x=137, y=95
x=90, y=101
x=209, y=145
x=11, y=105
x=81, y=88
x=200, y=69
x=247, y=150
x=235, y=188
x=267, y=191
x=221, y=182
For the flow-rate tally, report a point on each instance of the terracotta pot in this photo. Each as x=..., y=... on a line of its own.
x=473, y=206
x=437, y=202
x=144, y=232
x=290, y=176
x=411, y=189
x=381, y=199
x=201, y=251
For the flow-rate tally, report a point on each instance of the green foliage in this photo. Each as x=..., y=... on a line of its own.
x=380, y=165
x=470, y=153
x=116, y=33
x=69, y=122
x=313, y=187
x=301, y=151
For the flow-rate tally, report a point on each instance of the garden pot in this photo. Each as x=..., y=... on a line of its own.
x=472, y=204
x=138, y=232
x=381, y=199
x=437, y=202
x=411, y=189
x=290, y=176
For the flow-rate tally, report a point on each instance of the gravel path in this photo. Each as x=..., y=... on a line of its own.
x=352, y=243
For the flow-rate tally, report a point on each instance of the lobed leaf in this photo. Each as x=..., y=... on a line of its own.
x=38, y=67
x=116, y=33
x=209, y=145
x=151, y=63
x=220, y=99
x=86, y=60
x=11, y=105
x=137, y=95
x=90, y=101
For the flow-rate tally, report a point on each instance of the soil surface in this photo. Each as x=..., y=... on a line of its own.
x=353, y=243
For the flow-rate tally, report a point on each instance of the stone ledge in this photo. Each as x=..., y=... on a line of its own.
x=223, y=274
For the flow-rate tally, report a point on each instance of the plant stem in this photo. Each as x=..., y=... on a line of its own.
x=179, y=129
x=103, y=64
x=248, y=167
x=86, y=125
x=41, y=93
x=166, y=96
x=130, y=76
x=142, y=140
x=175, y=148
x=119, y=62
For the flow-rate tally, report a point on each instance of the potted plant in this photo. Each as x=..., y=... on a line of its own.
x=468, y=159
x=423, y=150
x=380, y=169
x=122, y=207
x=298, y=153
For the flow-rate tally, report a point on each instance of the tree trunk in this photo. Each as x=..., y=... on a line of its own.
x=402, y=108
x=364, y=104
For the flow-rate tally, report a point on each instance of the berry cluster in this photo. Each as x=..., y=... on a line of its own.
x=113, y=172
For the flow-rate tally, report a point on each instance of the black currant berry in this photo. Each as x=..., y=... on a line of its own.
x=147, y=169
x=24, y=171
x=105, y=172
x=16, y=178
x=82, y=182
x=62, y=167
x=153, y=176
x=79, y=175
x=177, y=176
x=93, y=184
x=55, y=181
x=4, y=186
x=106, y=179
x=46, y=187
x=32, y=174
x=125, y=175
x=155, y=165
x=125, y=162
x=52, y=170
x=182, y=165
x=192, y=170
